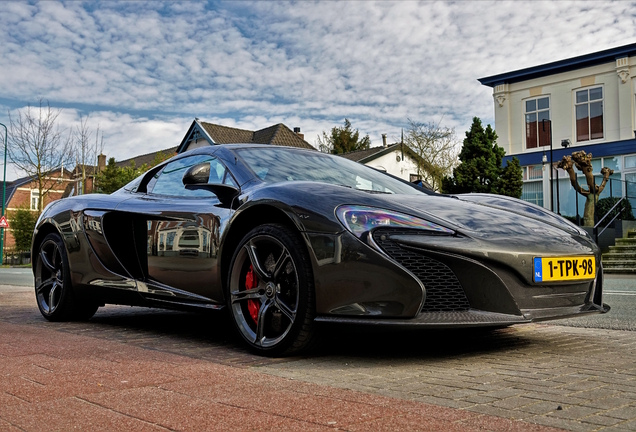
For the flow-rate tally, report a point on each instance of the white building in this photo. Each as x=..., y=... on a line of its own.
x=590, y=102
x=395, y=159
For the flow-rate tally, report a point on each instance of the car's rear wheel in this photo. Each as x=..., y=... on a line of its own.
x=53, y=290
x=271, y=291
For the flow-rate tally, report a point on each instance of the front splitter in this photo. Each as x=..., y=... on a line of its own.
x=470, y=318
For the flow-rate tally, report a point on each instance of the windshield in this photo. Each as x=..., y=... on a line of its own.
x=133, y=185
x=277, y=165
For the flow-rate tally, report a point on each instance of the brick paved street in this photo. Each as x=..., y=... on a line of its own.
x=564, y=377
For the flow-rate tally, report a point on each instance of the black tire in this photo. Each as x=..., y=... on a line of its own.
x=275, y=315
x=53, y=289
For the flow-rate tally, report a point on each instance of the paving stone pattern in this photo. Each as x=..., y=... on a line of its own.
x=552, y=376
x=572, y=378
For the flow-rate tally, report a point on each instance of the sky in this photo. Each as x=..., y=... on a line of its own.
x=143, y=71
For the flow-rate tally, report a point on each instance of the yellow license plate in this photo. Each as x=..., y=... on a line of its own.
x=552, y=269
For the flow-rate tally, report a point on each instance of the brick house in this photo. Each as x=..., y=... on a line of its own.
x=23, y=193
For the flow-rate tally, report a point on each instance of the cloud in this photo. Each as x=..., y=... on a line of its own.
x=154, y=66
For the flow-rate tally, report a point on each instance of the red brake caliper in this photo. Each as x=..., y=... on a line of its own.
x=251, y=282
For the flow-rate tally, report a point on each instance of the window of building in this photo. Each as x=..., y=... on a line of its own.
x=35, y=200
x=537, y=114
x=589, y=114
x=532, y=190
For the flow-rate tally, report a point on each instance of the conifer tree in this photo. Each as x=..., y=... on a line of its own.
x=343, y=140
x=480, y=167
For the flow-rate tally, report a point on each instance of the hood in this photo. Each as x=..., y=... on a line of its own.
x=497, y=229
x=475, y=219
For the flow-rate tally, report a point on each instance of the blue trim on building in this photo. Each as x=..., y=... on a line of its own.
x=560, y=66
x=614, y=148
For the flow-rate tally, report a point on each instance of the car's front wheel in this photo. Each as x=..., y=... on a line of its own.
x=53, y=289
x=271, y=291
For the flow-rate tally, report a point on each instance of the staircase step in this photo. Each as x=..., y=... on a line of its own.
x=618, y=266
x=620, y=263
x=620, y=270
x=620, y=255
x=626, y=241
x=622, y=248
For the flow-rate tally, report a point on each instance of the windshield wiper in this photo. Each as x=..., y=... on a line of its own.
x=375, y=191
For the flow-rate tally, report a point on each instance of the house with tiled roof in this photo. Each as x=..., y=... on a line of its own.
x=148, y=158
x=397, y=159
x=23, y=193
x=201, y=133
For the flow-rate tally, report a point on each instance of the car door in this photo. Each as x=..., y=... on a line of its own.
x=183, y=229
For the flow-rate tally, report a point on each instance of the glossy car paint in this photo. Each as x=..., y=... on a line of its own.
x=117, y=250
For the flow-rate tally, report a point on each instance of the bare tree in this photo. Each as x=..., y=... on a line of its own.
x=38, y=146
x=583, y=162
x=437, y=148
x=85, y=150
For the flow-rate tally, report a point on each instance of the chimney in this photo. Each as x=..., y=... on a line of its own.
x=297, y=132
x=101, y=162
x=383, y=140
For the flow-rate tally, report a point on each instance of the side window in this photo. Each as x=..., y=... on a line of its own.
x=168, y=181
x=217, y=172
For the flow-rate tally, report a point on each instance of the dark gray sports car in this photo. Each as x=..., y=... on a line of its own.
x=284, y=237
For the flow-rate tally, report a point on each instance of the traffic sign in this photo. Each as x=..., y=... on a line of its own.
x=4, y=223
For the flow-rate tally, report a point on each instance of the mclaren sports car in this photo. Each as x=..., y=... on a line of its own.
x=284, y=238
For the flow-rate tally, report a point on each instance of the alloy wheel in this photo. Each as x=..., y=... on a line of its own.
x=50, y=277
x=264, y=291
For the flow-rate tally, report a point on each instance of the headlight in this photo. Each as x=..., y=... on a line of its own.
x=360, y=220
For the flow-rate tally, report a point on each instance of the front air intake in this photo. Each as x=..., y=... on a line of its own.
x=444, y=293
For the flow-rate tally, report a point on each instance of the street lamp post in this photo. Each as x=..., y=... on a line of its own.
x=4, y=192
x=551, y=167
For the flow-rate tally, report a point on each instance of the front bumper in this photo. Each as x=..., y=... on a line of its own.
x=472, y=287
x=469, y=318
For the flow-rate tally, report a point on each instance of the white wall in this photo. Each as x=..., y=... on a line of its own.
x=618, y=101
x=389, y=162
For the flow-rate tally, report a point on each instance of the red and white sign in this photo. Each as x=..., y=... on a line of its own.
x=3, y=222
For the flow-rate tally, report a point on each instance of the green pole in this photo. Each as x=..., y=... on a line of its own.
x=4, y=192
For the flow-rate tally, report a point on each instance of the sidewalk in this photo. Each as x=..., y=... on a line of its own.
x=62, y=376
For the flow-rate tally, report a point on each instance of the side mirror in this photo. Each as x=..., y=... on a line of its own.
x=197, y=174
x=197, y=177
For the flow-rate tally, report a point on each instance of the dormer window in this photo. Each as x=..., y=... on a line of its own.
x=537, y=131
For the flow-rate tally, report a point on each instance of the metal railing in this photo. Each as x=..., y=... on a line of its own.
x=621, y=203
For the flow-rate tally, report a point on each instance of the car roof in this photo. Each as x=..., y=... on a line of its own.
x=234, y=146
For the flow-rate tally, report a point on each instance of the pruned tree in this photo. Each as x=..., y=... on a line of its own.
x=38, y=146
x=343, y=140
x=437, y=148
x=583, y=162
x=85, y=150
